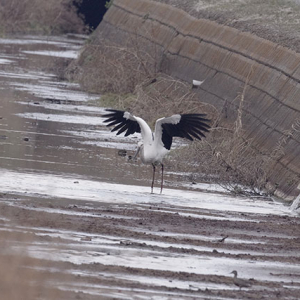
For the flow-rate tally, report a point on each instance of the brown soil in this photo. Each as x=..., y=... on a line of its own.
x=275, y=234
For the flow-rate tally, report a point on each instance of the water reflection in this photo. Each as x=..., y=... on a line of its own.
x=47, y=125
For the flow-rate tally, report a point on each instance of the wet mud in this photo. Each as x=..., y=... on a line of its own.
x=77, y=220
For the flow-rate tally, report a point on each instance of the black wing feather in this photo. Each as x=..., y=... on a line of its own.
x=116, y=117
x=190, y=126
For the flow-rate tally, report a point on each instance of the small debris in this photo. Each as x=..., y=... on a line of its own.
x=26, y=139
x=196, y=83
x=72, y=206
x=126, y=243
x=122, y=152
x=223, y=239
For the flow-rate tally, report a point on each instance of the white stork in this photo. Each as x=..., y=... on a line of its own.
x=155, y=146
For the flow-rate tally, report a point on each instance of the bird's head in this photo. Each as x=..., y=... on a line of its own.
x=234, y=272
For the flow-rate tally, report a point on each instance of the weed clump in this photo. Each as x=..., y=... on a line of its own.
x=39, y=17
x=106, y=67
x=225, y=156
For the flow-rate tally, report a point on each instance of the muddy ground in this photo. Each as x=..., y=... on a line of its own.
x=77, y=220
x=85, y=250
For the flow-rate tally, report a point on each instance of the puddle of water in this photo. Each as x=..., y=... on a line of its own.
x=209, y=217
x=156, y=260
x=58, y=41
x=103, y=135
x=64, y=54
x=29, y=75
x=100, y=239
x=196, y=237
x=77, y=119
x=127, y=293
x=63, y=187
x=108, y=250
x=152, y=282
x=111, y=145
x=68, y=108
x=52, y=92
x=158, y=282
x=4, y=61
x=296, y=205
x=180, y=284
x=70, y=212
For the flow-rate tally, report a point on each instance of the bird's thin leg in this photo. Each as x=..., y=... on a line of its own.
x=153, y=178
x=162, y=178
x=136, y=153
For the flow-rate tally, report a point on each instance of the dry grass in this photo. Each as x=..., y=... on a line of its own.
x=166, y=96
x=39, y=17
x=226, y=158
x=231, y=162
x=128, y=77
x=283, y=14
x=122, y=67
x=130, y=74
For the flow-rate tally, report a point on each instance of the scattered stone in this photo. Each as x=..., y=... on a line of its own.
x=122, y=152
x=86, y=238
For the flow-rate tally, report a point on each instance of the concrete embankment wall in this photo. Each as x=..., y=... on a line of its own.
x=226, y=58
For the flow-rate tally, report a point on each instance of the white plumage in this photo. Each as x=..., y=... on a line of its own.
x=155, y=146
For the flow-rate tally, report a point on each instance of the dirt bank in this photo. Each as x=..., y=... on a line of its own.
x=116, y=251
x=276, y=21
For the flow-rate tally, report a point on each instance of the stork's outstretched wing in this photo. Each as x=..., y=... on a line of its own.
x=124, y=121
x=187, y=126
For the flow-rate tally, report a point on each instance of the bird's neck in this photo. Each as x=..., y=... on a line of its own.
x=146, y=132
